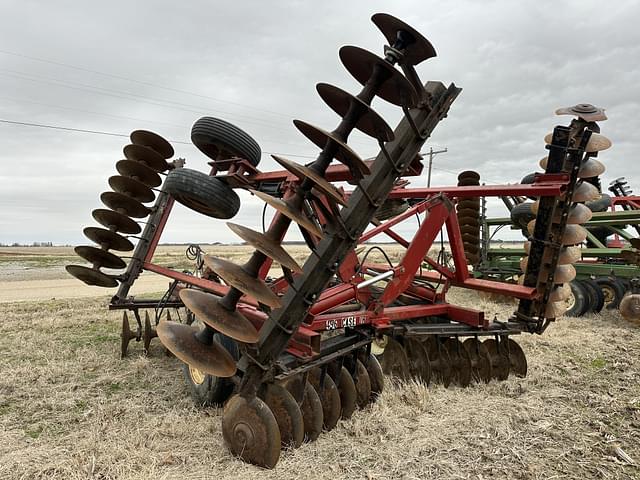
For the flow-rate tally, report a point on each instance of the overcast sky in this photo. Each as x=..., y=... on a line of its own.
x=119, y=66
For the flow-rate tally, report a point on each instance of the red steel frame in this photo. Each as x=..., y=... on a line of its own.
x=408, y=278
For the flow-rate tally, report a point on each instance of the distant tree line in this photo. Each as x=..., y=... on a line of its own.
x=33, y=244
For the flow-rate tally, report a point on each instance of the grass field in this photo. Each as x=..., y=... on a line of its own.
x=71, y=409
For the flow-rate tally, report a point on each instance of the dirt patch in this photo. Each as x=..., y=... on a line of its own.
x=70, y=409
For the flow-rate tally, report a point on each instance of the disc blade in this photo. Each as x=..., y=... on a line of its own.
x=125, y=205
x=180, y=339
x=569, y=254
x=265, y=245
x=116, y=221
x=207, y=308
x=146, y=156
x=286, y=412
x=369, y=122
x=500, y=364
x=578, y=213
x=630, y=308
x=419, y=365
x=560, y=293
x=344, y=152
x=584, y=192
x=555, y=309
x=312, y=413
x=517, y=358
x=460, y=361
x=564, y=273
x=237, y=277
x=396, y=89
x=480, y=360
x=99, y=257
x=108, y=239
x=284, y=208
x=91, y=276
x=596, y=143
x=329, y=397
x=394, y=360
x=153, y=141
x=132, y=188
x=138, y=171
x=574, y=234
x=591, y=168
x=303, y=173
x=418, y=49
x=586, y=111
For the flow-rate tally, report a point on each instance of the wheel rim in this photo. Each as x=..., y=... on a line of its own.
x=609, y=294
x=196, y=375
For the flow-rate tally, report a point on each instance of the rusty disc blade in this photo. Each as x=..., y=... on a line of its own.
x=284, y=208
x=591, y=168
x=132, y=188
x=560, y=293
x=630, y=308
x=146, y=156
x=441, y=368
x=303, y=172
x=347, y=388
x=369, y=122
x=116, y=221
x=91, y=276
x=329, y=397
x=596, y=143
x=376, y=376
x=108, y=239
x=574, y=234
x=295, y=384
x=460, y=361
x=555, y=309
x=344, y=152
x=237, y=277
x=180, y=339
x=124, y=204
x=251, y=432
x=207, y=308
x=517, y=358
x=363, y=385
x=564, y=273
x=584, y=192
x=153, y=141
x=99, y=257
x=138, y=171
x=312, y=414
x=394, y=360
x=586, y=111
x=286, y=412
x=500, y=365
x=418, y=48
x=265, y=245
x=480, y=360
x=419, y=365
x=578, y=213
x=361, y=63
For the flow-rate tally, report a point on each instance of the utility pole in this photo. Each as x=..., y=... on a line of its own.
x=432, y=153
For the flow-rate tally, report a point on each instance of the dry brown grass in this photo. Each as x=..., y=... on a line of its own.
x=70, y=409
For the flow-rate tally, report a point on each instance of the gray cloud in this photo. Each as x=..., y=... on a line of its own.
x=256, y=64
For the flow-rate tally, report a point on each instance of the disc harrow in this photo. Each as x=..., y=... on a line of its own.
x=291, y=357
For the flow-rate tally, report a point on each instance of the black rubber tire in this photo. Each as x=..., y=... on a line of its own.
x=391, y=208
x=615, y=288
x=202, y=193
x=600, y=204
x=595, y=295
x=218, y=138
x=521, y=215
x=581, y=303
x=213, y=391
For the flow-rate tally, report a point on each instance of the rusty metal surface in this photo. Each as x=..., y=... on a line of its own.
x=91, y=276
x=419, y=48
x=207, y=308
x=146, y=156
x=99, y=257
x=312, y=414
x=340, y=101
x=319, y=182
x=517, y=358
x=181, y=340
x=500, y=364
x=418, y=358
x=361, y=63
x=116, y=221
x=460, y=361
x=132, y=188
x=286, y=412
x=329, y=397
x=344, y=154
x=153, y=141
x=480, y=360
x=284, y=208
x=108, y=239
x=238, y=278
x=265, y=245
x=124, y=204
x=586, y=111
x=139, y=171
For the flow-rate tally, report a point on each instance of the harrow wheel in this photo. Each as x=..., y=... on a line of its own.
x=251, y=431
x=440, y=361
x=287, y=413
x=329, y=397
x=219, y=139
x=419, y=364
x=480, y=360
x=363, y=385
x=500, y=364
x=312, y=414
x=347, y=388
x=394, y=360
x=460, y=361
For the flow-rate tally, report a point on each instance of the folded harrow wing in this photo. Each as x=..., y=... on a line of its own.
x=291, y=356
